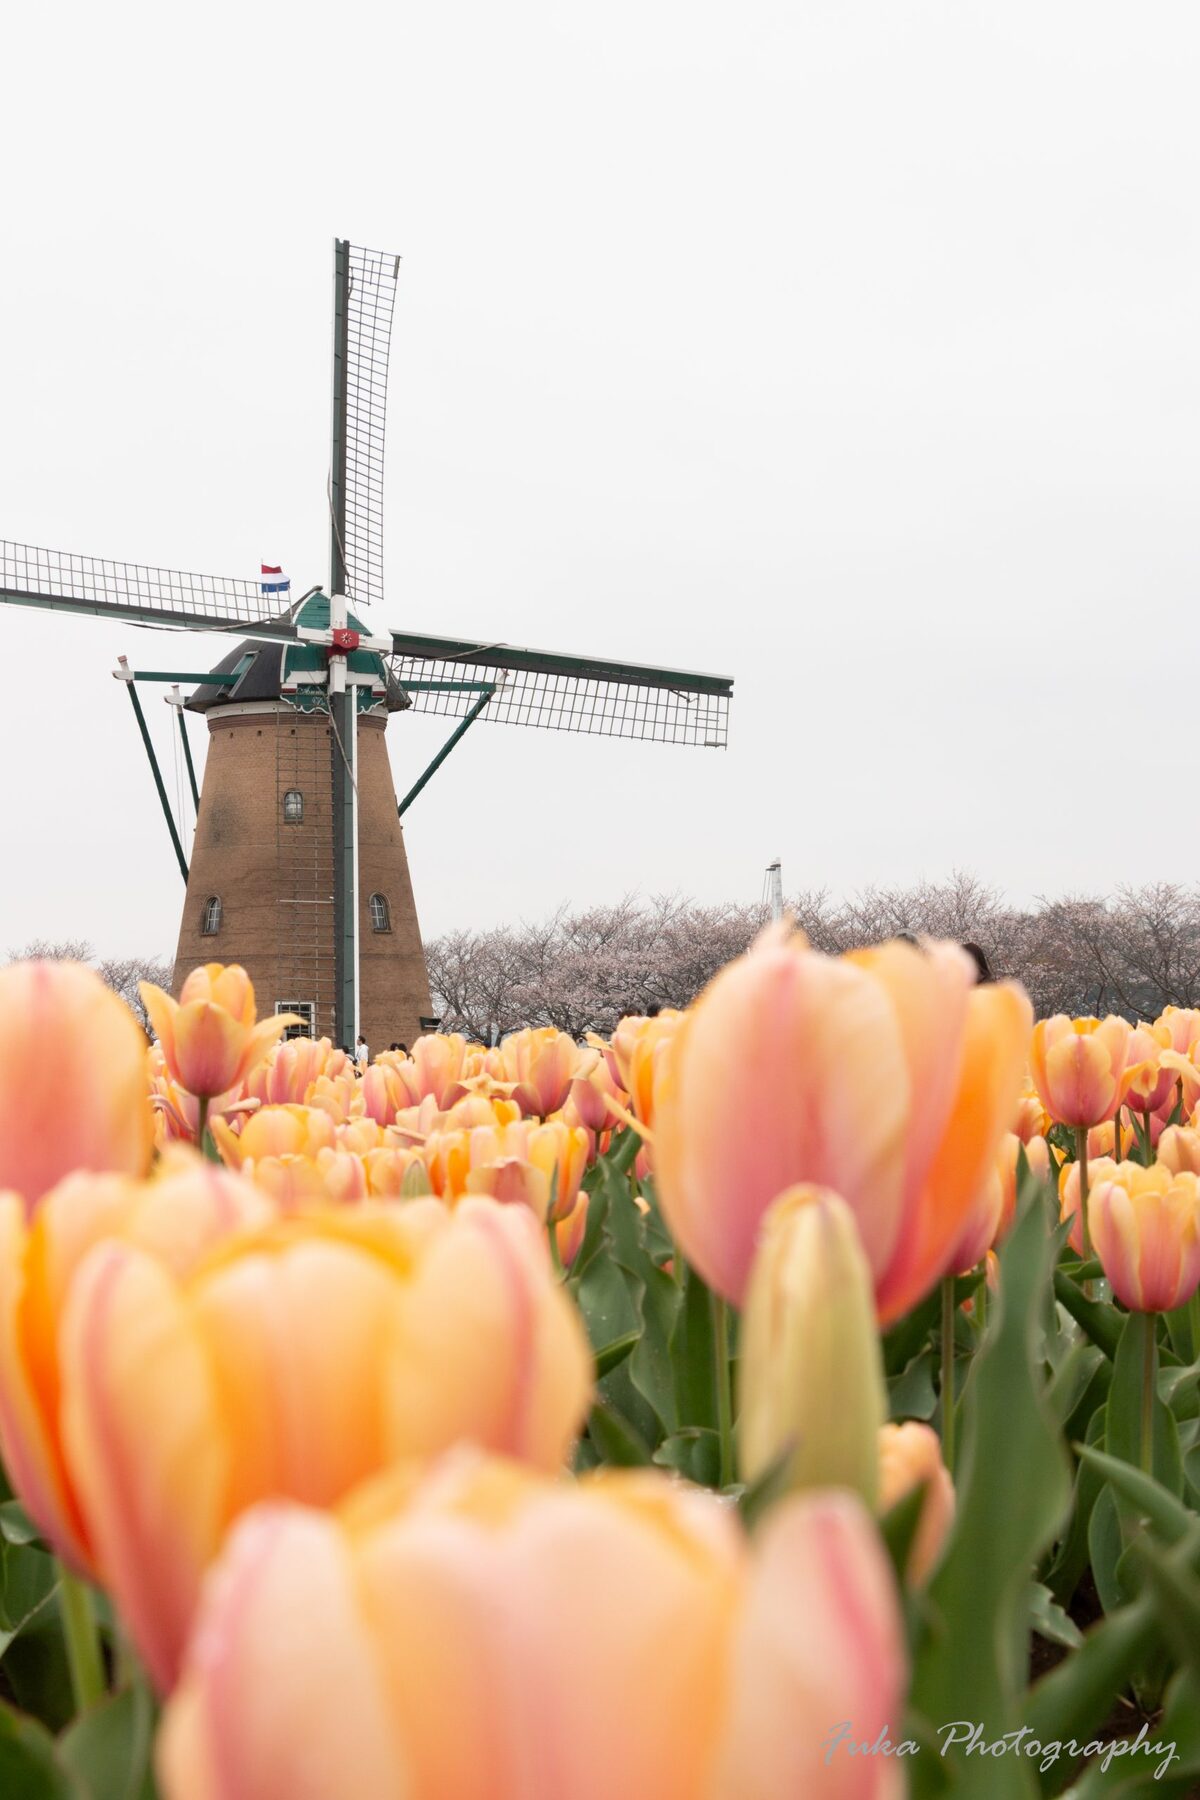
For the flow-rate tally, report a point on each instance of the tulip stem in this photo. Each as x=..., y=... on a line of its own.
x=83, y=1646
x=556, y=1261
x=1149, y=1145
x=1081, y=1134
x=1149, y=1385
x=948, y=1372
x=981, y=1302
x=720, y=1325
x=1117, y=1135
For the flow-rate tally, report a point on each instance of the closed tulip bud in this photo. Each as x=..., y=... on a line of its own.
x=1145, y=1225
x=910, y=1456
x=886, y=1075
x=298, y=1363
x=179, y=1217
x=209, y=1038
x=1179, y=1149
x=1078, y=1067
x=810, y=1367
x=72, y=1079
x=660, y=1655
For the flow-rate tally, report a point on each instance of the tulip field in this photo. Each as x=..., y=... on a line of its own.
x=796, y=1397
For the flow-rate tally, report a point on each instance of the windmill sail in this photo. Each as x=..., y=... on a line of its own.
x=563, y=693
x=63, y=582
x=362, y=340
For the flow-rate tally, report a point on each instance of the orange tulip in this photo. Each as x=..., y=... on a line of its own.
x=209, y=1039
x=611, y=1636
x=1031, y=1119
x=887, y=1076
x=1145, y=1225
x=179, y=1217
x=72, y=1079
x=1182, y=1026
x=910, y=1455
x=1179, y=1149
x=299, y=1362
x=1078, y=1067
x=1037, y=1155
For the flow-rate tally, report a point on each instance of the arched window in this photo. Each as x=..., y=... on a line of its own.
x=293, y=806
x=380, y=919
x=210, y=922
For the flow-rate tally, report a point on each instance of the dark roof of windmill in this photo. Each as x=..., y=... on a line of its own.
x=261, y=678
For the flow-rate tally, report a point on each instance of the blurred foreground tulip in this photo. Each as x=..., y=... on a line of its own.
x=487, y=1635
x=72, y=1079
x=1079, y=1067
x=1145, y=1226
x=179, y=1217
x=810, y=1366
x=910, y=1455
x=302, y=1360
x=209, y=1037
x=886, y=1075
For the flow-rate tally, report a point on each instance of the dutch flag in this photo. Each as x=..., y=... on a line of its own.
x=274, y=581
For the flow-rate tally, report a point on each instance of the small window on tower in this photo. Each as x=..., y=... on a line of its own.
x=380, y=919
x=210, y=922
x=293, y=806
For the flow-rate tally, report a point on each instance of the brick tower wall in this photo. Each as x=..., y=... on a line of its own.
x=274, y=876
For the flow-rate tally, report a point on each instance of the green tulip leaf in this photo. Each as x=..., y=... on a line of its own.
x=1002, y=1526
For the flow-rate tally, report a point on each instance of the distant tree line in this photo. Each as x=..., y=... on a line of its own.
x=1133, y=952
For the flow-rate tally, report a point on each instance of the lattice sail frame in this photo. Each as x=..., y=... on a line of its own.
x=64, y=582
x=563, y=693
x=371, y=302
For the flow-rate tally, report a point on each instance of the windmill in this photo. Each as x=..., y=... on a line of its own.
x=302, y=700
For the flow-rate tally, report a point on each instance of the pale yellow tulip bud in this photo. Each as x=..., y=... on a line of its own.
x=811, y=1369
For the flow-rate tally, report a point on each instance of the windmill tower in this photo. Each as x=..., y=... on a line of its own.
x=298, y=869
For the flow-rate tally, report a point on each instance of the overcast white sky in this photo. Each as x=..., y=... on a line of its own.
x=848, y=349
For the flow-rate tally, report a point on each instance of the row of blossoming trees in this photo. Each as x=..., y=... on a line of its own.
x=1133, y=953
x=798, y=1395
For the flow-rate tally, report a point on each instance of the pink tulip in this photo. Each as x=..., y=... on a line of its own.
x=1078, y=1067
x=887, y=1076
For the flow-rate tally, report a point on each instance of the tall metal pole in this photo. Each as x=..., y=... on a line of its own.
x=775, y=889
x=343, y=711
